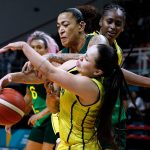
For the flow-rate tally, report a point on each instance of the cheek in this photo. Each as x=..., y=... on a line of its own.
x=119, y=30
x=87, y=68
x=104, y=28
x=42, y=51
x=69, y=29
x=74, y=30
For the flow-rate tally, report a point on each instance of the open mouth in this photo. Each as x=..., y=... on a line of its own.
x=111, y=34
x=63, y=39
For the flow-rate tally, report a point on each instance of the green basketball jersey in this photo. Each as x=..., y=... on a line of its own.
x=83, y=49
x=38, y=94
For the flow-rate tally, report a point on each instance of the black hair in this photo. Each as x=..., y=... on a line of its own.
x=113, y=83
x=91, y=17
x=76, y=13
x=113, y=6
x=107, y=56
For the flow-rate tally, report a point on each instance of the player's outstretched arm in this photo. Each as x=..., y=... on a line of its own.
x=61, y=57
x=134, y=79
x=19, y=77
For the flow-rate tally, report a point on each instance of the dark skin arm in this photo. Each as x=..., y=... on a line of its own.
x=131, y=78
x=19, y=77
x=61, y=58
x=134, y=79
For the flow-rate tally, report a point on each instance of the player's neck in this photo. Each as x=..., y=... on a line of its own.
x=77, y=46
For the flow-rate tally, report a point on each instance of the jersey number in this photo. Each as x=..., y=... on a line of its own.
x=33, y=92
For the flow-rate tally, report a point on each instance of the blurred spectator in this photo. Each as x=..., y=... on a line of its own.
x=133, y=113
x=138, y=101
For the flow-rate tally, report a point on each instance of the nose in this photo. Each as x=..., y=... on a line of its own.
x=61, y=30
x=113, y=26
x=81, y=58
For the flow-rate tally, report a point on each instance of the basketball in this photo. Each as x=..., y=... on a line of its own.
x=12, y=106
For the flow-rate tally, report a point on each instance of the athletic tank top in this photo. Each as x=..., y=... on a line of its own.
x=83, y=49
x=119, y=52
x=115, y=114
x=66, y=50
x=38, y=94
x=77, y=128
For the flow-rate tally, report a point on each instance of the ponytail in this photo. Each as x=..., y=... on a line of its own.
x=113, y=89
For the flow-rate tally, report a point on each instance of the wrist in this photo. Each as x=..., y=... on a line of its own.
x=39, y=116
x=24, y=46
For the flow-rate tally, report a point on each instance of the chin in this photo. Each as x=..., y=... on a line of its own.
x=65, y=44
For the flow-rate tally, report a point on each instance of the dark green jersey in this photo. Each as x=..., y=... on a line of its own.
x=83, y=49
x=115, y=114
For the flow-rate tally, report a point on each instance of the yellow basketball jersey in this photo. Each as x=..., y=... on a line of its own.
x=77, y=128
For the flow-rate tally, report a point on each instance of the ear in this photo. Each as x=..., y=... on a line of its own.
x=98, y=72
x=82, y=25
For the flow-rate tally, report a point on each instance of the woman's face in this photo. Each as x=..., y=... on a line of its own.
x=68, y=28
x=39, y=46
x=86, y=64
x=112, y=24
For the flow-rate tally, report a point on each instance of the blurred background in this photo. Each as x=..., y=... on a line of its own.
x=19, y=18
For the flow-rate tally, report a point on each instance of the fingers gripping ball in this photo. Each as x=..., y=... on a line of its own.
x=12, y=106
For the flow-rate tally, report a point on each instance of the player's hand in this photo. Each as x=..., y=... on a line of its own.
x=32, y=120
x=52, y=97
x=27, y=68
x=51, y=88
x=5, y=81
x=13, y=46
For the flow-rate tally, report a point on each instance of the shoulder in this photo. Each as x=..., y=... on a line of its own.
x=98, y=39
x=65, y=50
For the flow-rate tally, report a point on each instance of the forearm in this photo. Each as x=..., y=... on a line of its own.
x=28, y=101
x=39, y=62
x=20, y=77
x=61, y=58
x=52, y=103
x=134, y=79
x=43, y=113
